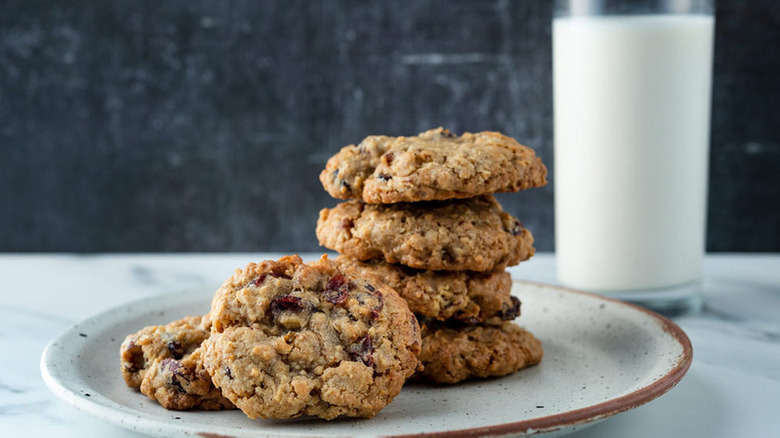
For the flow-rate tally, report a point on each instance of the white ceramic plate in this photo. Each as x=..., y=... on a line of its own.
x=602, y=357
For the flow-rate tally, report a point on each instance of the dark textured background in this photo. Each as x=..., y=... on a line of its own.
x=202, y=126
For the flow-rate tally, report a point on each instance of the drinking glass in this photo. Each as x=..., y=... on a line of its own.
x=632, y=83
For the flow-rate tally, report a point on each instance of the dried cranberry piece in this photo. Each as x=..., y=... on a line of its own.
x=344, y=185
x=172, y=365
x=258, y=280
x=336, y=282
x=286, y=302
x=228, y=373
x=372, y=291
x=510, y=312
x=337, y=290
x=384, y=177
x=378, y=308
x=389, y=157
x=362, y=351
x=277, y=272
x=177, y=351
x=175, y=384
x=517, y=228
x=347, y=223
x=178, y=371
x=468, y=320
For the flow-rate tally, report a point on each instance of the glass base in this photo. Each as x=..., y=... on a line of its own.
x=670, y=301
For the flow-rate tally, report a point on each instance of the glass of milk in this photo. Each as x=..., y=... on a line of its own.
x=632, y=82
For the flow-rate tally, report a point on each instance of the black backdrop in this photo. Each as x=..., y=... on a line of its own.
x=202, y=126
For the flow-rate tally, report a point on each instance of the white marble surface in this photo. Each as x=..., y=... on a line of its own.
x=732, y=388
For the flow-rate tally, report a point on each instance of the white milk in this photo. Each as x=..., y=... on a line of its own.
x=632, y=111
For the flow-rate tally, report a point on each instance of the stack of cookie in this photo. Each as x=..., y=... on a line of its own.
x=421, y=218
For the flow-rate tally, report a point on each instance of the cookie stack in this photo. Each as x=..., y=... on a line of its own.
x=421, y=218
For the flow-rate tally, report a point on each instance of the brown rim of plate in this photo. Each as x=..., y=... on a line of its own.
x=596, y=412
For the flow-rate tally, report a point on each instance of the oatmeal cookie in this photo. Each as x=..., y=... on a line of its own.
x=453, y=354
x=433, y=165
x=166, y=363
x=472, y=234
x=467, y=296
x=291, y=339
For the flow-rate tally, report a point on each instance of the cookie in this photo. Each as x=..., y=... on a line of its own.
x=467, y=296
x=451, y=355
x=434, y=165
x=166, y=363
x=472, y=234
x=291, y=339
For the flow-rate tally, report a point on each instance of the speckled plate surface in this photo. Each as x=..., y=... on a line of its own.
x=602, y=357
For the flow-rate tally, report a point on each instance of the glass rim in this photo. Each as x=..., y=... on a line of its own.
x=599, y=8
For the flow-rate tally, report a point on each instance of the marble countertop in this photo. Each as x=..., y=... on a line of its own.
x=732, y=388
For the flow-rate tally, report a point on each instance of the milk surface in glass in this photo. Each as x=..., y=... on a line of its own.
x=632, y=111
